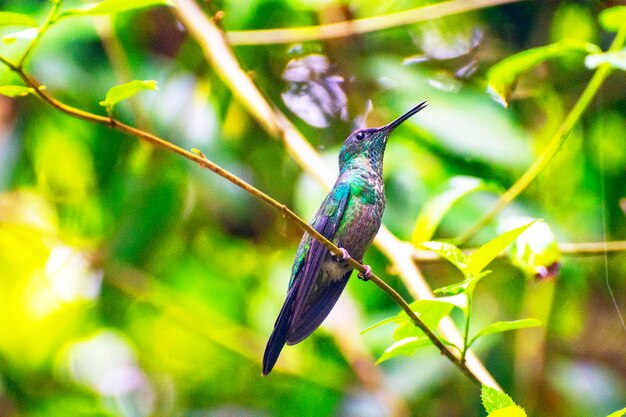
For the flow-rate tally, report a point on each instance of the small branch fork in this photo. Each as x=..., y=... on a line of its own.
x=199, y=158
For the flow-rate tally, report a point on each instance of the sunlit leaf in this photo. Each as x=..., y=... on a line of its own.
x=436, y=208
x=504, y=73
x=616, y=60
x=511, y=411
x=16, y=90
x=535, y=251
x=573, y=21
x=125, y=91
x=16, y=19
x=113, y=6
x=450, y=252
x=430, y=311
x=618, y=413
x=490, y=250
x=388, y=320
x=27, y=34
x=406, y=347
x=613, y=18
x=504, y=326
x=466, y=286
x=494, y=399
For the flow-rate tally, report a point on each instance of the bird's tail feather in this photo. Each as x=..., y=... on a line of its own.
x=279, y=335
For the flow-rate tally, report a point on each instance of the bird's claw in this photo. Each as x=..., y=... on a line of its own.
x=343, y=257
x=365, y=276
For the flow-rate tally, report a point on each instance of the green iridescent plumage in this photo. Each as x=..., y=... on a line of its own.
x=349, y=217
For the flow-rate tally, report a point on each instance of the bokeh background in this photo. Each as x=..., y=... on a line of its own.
x=134, y=283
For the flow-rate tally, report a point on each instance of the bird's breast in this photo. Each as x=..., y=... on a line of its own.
x=362, y=216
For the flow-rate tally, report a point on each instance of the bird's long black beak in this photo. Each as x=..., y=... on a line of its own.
x=391, y=126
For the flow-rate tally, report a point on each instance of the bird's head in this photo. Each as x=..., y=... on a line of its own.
x=365, y=148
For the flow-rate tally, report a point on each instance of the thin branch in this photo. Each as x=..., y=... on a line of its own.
x=42, y=29
x=571, y=249
x=553, y=146
x=358, y=26
x=218, y=53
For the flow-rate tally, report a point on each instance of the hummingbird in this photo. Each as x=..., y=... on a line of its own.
x=350, y=217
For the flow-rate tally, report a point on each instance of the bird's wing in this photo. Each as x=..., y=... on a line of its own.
x=299, y=304
x=314, y=298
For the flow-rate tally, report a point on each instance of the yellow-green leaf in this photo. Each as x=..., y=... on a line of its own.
x=450, y=252
x=618, y=413
x=125, y=91
x=494, y=399
x=16, y=19
x=487, y=252
x=406, y=346
x=504, y=326
x=505, y=72
x=613, y=18
x=16, y=90
x=511, y=411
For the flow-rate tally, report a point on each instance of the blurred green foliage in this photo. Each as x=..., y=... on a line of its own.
x=133, y=283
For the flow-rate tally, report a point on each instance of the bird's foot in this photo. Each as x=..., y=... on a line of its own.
x=365, y=276
x=343, y=257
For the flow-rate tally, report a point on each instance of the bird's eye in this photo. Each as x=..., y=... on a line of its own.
x=360, y=136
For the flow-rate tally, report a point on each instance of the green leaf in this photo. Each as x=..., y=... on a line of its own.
x=490, y=250
x=16, y=19
x=16, y=90
x=406, y=346
x=112, y=6
x=511, y=411
x=618, y=413
x=27, y=34
x=430, y=311
x=450, y=252
x=504, y=73
x=535, y=251
x=494, y=399
x=615, y=59
x=613, y=18
x=381, y=323
x=504, y=326
x=467, y=286
x=125, y=91
x=435, y=209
